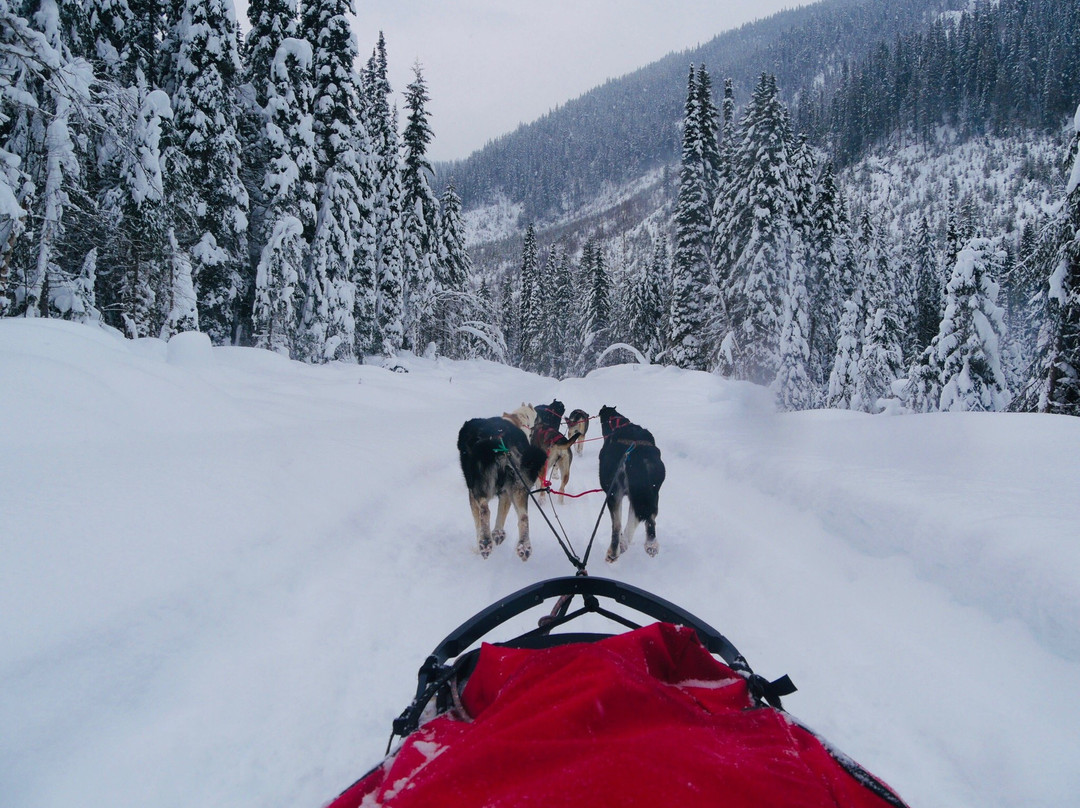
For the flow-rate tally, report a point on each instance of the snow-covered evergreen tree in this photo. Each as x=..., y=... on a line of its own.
x=530, y=304
x=825, y=258
x=41, y=172
x=881, y=355
x=343, y=246
x=760, y=255
x=645, y=312
x=967, y=349
x=142, y=239
x=290, y=188
x=453, y=277
x=793, y=386
x=929, y=301
x=596, y=317
x=184, y=313
x=387, y=204
x=1055, y=387
x=688, y=344
x=204, y=109
x=421, y=215
x=843, y=377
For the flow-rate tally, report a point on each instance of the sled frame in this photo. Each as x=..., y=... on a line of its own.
x=435, y=673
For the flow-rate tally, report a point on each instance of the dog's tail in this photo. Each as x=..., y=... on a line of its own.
x=645, y=473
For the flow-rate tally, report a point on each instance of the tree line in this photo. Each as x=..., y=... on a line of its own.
x=773, y=278
x=159, y=173
x=773, y=282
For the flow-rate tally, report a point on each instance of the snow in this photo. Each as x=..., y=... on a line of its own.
x=222, y=569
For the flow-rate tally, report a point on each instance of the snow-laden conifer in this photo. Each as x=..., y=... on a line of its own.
x=290, y=188
x=645, y=303
x=845, y=368
x=421, y=215
x=967, y=349
x=688, y=343
x=343, y=248
x=825, y=257
x=1055, y=386
x=596, y=314
x=793, y=386
x=204, y=108
x=881, y=354
x=530, y=304
x=761, y=239
x=454, y=303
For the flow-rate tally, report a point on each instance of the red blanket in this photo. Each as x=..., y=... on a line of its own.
x=648, y=718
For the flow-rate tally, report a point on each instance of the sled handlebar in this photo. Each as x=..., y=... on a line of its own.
x=435, y=673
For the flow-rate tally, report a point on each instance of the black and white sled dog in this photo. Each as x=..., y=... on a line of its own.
x=498, y=461
x=630, y=466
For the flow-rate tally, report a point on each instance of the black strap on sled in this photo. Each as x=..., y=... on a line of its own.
x=435, y=673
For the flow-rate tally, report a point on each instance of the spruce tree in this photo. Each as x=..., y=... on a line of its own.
x=967, y=349
x=387, y=204
x=761, y=239
x=453, y=277
x=825, y=258
x=42, y=176
x=421, y=210
x=289, y=185
x=530, y=306
x=843, y=377
x=688, y=344
x=1055, y=387
x=793, y=386
x=343, y=243
x=204, y=108
x=881, y=354
x=928, y=290
x=596, y=319
x=645, y=306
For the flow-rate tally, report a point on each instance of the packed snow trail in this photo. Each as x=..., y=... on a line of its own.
x=222, y=569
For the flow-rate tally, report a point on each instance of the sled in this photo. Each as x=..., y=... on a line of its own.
x=669, y=714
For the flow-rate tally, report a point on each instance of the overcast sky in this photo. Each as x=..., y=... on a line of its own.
x=492, y=64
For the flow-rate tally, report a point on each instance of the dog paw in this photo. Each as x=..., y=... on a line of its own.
x=485, y=547
x=652, y=547
x=612, y=555
x=497, y=536
x=524, y=549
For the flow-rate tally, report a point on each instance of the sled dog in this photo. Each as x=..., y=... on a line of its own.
x=524, y=418
x=556, y=445
x=577, y=424
x=630, y=466
x=497, y=460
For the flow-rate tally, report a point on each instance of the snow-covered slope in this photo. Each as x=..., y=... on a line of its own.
x=220, y=569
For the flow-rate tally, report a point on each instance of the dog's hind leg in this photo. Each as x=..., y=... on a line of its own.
x=652, y=546
x=521, y=506
x=482, y=517
x=564, y=468
x=630, y=529
x=617, y=546
x=499, y=533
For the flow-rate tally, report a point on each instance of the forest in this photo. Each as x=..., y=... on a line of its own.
x=159, y=173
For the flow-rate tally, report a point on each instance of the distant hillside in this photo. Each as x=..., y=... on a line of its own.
x=620, y=131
